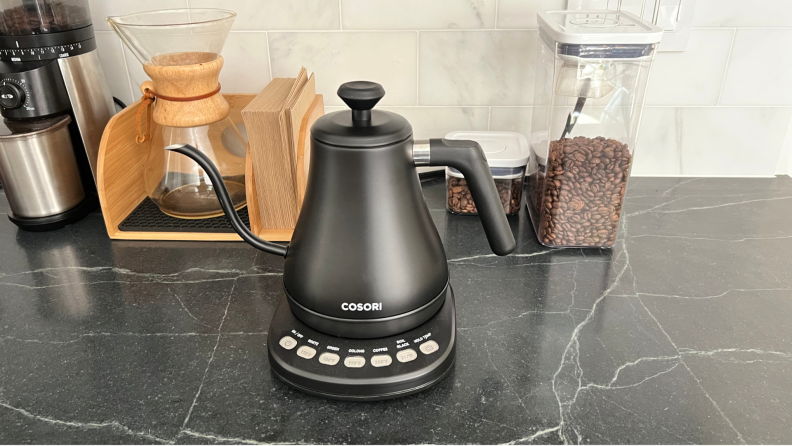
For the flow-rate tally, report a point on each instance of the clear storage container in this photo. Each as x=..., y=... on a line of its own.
x=29, y=17
x=507, y=155
x=591, y=77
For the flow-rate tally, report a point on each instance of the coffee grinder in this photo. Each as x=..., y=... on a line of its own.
x=55, y=103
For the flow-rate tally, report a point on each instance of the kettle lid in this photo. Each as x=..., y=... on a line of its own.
x=362, y=127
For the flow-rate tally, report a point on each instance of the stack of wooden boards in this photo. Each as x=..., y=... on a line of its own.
x=278, y=123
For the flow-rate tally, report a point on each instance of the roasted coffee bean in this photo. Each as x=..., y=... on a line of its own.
x=47, y=16
x=509, y=190
x=590, y=191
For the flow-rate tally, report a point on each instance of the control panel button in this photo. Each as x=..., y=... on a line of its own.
x=429, y=347
x=354, y=362
x=406, y=355
x=306, y=352
x=329, y=358
x=11, y=96
x=287, y=342
x=381, y=360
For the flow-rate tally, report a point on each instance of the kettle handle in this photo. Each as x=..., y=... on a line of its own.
x=225, y=199
x=468, y=157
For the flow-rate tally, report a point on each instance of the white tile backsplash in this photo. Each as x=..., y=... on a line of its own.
x=436, y=122
x=476, y=67
x=720, y=108
x=691, y=77
x=388, y=58
x=522, y=13
x=111, y=57
x=246, y=66
x=657, y=150
x=279, y=14
x=736, y=13
x=418, y=14
x=711, y=141
x=103, y=8
x=760, y=68
x=511, y=119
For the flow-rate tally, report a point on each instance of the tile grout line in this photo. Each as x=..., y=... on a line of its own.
x=497, y=3
x=269, y=56
x=489, y=118
x=382, y=31
x=340, y=16
x=417, y=68
x=454, y=30
x=726, y=69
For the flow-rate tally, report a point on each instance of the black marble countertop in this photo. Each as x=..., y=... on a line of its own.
x=682, y=333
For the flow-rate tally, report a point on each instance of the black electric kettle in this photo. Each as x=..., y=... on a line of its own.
x=365, y=260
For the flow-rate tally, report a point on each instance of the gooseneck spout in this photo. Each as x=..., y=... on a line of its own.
x=225, y=200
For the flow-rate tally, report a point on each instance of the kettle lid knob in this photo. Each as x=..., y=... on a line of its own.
x=361, y=97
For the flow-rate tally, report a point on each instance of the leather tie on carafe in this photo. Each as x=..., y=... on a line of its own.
x=147, y=102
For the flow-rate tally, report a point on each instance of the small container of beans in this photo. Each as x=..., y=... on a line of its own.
x=507, y=154
x=592, y=70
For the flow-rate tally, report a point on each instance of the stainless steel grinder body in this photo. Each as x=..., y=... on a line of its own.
x=39, y=170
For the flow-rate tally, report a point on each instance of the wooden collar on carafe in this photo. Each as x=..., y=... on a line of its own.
x=181, y=96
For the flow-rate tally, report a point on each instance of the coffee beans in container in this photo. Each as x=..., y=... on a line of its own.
x=460, y=201
x=592, y=70
x=576, y=197
x=507, y=155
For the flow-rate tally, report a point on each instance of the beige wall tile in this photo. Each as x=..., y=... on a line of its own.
x=388, y=58
x=522, y=13
x=278, y=14
x=477, y=67
x=760, y=68
x=103, y=8
x=693, y=76
x=734, y=13
x=418, y=14
x=111, y=56
x=711, y=140
x=511, y=119
x=246, y=63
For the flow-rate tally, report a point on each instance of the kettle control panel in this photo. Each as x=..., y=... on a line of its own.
x=355, y=360
x=372, y=368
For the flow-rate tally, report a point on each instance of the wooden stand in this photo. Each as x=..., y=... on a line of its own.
x=122, y=161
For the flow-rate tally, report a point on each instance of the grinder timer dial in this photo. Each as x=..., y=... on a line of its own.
x=11, y=95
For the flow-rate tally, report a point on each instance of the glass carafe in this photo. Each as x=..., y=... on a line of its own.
x=180, y=51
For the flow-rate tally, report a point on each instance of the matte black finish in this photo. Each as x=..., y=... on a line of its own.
x=11, y=95
x=362, y=127
x=468, y=158
x=369, y=328
x=47, y=46
x=364, y=235
x=365, y=260
x=42, y=86
x=368, y=382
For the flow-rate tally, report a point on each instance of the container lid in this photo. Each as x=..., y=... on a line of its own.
x=361, y=127
x=502, y=149
x=598, y=27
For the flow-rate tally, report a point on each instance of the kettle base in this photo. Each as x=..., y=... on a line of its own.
x=362, y=369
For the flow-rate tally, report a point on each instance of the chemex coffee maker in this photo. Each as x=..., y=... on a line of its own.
x=368, y=310
x=55, y=104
